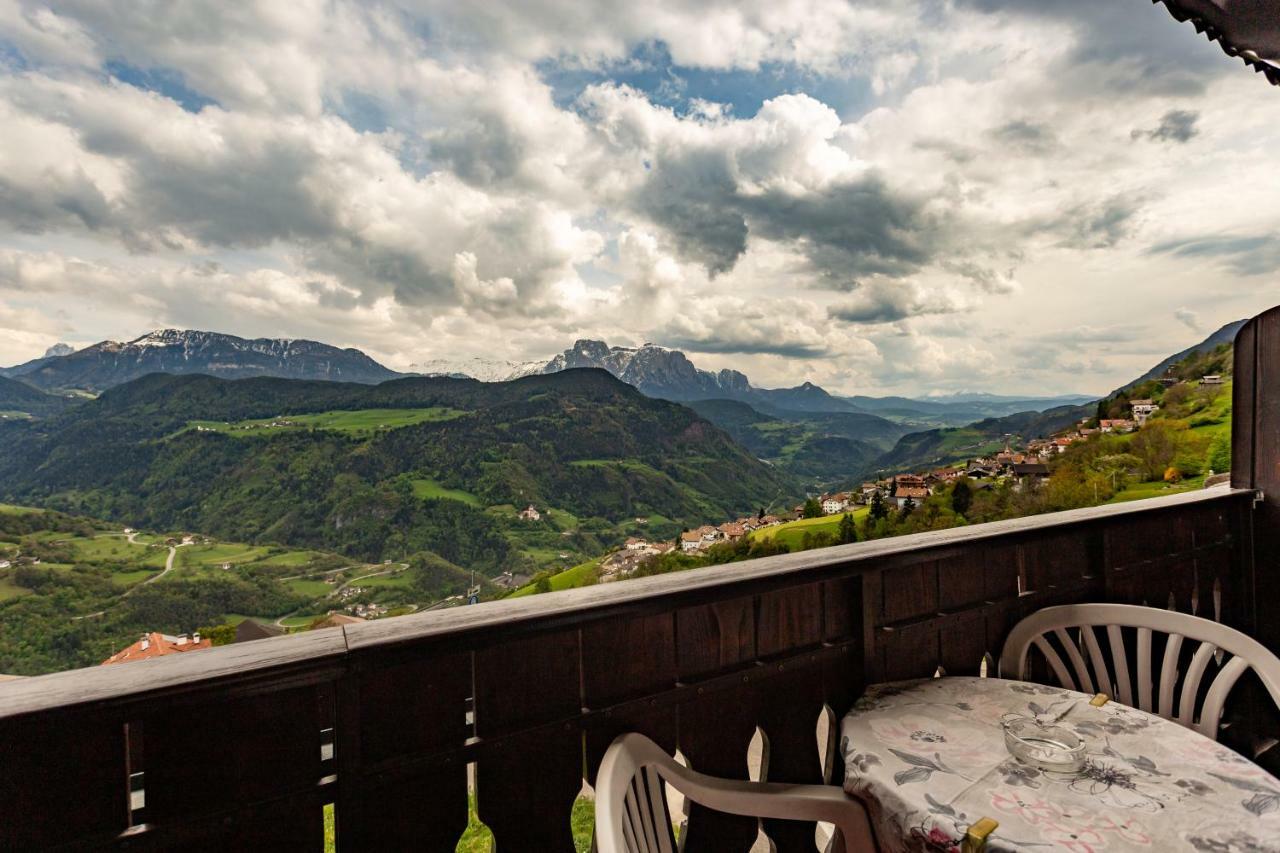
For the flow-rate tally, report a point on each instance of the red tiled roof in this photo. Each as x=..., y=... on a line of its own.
x=156, y=645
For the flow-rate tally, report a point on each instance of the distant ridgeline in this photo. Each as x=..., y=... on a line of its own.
x=225, y=458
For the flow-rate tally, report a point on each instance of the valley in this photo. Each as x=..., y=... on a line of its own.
x=178, y=502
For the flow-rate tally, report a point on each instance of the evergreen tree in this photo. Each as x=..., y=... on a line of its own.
x=878, y=508
x=848, y=531
x=961, y=496
x=908, y=507
x=812, y=509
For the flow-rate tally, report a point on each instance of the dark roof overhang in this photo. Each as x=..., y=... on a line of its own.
x=1248, y=29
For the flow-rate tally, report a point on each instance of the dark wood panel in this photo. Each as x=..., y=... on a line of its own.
x=404, y=710
x=525, y=792
x=909, y=652
x=622, y=660
x=1062, y=559
x=962, y=580
x=963, y=642
x=715, y=732
x=625, y=658
x=1266, y=468
x=62, y=778
x=909, y=591
x=789, y=712
x=217, y=754
x=421, y=810
x=1243, y=414
x=715, y=637
x=789, y=620
x=527, y=682
x=842, y=609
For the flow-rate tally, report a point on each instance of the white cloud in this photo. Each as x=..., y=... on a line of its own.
x=985, y=193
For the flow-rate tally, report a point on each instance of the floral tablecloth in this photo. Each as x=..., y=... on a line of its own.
x=929, y=759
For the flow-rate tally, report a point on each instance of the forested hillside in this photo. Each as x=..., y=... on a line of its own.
x=580, y=441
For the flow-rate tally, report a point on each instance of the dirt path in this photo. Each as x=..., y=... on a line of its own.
x=168, y=567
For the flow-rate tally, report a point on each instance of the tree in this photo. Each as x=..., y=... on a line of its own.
x=1219, y=456
x=1156, y=444
x=878, y=509
x=812, y=509
x=961, y=496
x=908, y=507
x=219, y=635
x=848, y=531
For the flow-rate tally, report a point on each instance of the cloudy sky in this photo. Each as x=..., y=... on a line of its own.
x=892, y=196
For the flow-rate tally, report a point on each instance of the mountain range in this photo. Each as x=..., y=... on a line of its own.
x=188, y=452
x=110, y=363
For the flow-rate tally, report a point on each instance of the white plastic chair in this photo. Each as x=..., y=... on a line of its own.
x=631, y=806
x=1247, y=653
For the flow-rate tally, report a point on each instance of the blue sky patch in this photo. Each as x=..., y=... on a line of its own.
x=651, y=70
x=163, y=81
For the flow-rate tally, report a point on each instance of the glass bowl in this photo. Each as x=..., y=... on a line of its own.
x=1052, y=748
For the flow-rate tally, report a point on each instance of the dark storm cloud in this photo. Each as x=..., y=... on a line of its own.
x=1026, y=136
x=1175, y=126
x=851, y=229
x=1096, y=226
x=1258, y=254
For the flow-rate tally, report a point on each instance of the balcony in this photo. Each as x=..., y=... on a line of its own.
x=243, y=746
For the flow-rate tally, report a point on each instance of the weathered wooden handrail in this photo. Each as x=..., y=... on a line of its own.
x=699, y=660
x=513, y=618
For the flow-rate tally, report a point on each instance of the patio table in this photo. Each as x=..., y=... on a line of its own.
x=929, y=759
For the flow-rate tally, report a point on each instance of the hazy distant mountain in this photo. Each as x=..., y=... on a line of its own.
x=59, y=349
x=111, y=363
x=960, y=409
x=483, y=369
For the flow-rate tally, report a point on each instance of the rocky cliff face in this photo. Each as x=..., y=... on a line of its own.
x=656, y=371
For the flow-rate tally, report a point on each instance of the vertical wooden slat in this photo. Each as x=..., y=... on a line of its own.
x=63, y=777
x=790, y=621
x=1243, y=413
x=1266, y=470
x=525, y=789
x=215, y=754
x=625, y=659
x=407, y=710
x=715, y=729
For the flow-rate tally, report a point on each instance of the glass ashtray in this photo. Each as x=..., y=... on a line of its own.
x=1052, y=748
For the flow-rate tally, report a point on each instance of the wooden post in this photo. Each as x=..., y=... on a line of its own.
x=1255, y=452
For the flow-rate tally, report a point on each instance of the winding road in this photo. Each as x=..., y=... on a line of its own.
x=168, y=567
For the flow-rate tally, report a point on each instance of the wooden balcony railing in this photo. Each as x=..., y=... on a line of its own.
x=242, y=746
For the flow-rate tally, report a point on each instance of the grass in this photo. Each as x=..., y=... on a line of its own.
x=356, y=422
x=400, y=579
x=1156, y=489
x=568, y=579
x=115, y=548
x=291, y=558
x=309, y=588
x=131, y=578
x=14, y=509
x=479, y=839
x=9, y=589
x=216, y=555
x=792, y=533
x=429, y=489
x=300, y=621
